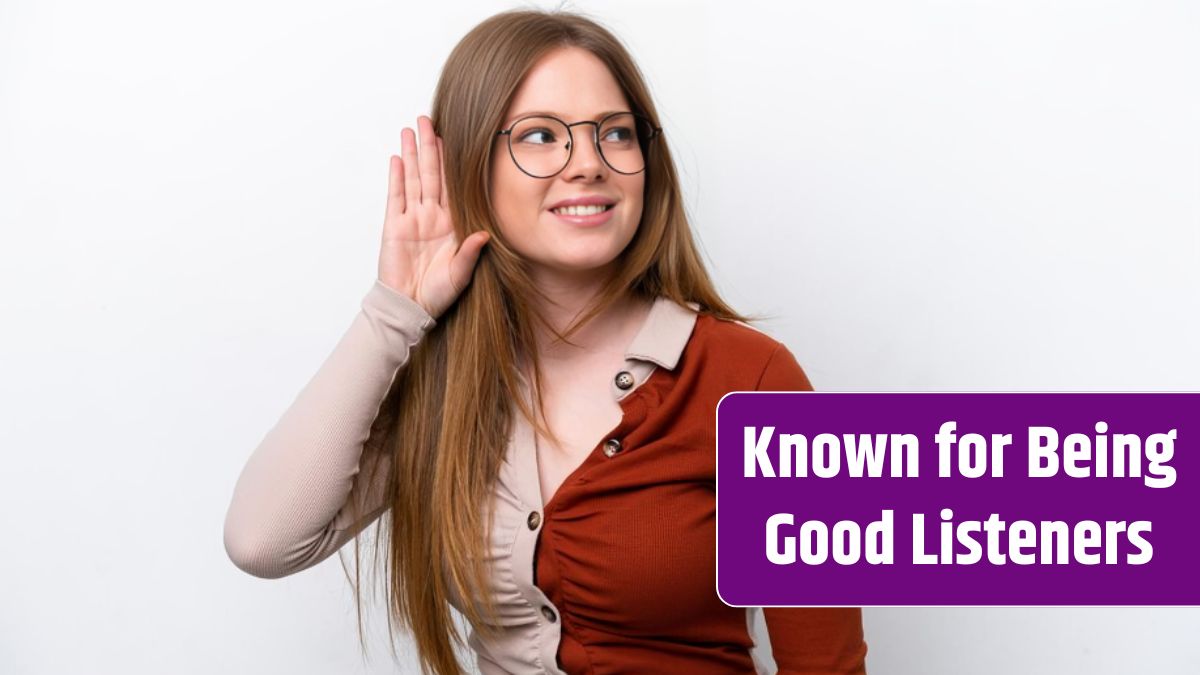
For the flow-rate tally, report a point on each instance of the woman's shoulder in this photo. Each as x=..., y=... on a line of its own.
x=735, y=355
x=714, y=342
x=731, y=334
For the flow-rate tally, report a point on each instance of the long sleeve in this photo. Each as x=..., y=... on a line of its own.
x=817, y=640
x=290, y=506
x=810, y=640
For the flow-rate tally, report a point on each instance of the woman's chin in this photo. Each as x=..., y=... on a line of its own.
x=584, y=264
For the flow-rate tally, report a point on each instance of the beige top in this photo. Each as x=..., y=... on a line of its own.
x=288, y=511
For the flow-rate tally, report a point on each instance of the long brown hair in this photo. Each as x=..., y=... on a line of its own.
x=446, y=419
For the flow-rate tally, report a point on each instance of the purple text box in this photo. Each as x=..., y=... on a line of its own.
x=1154, y=566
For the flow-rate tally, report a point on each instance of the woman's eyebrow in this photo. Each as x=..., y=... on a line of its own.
x=530, y=113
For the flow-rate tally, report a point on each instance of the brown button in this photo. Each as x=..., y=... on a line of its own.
x=612, y=446
x=549, y=614
x=624, y=379
x=535, y=519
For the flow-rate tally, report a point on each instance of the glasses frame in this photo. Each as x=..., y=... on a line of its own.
x=655, y=132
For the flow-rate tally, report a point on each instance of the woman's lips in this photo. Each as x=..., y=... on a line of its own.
x=588, y=221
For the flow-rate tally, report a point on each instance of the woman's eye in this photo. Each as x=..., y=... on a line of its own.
x=618, y=134
x=539, y=136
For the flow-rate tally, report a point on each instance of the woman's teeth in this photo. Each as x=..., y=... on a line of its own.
x=582, y=210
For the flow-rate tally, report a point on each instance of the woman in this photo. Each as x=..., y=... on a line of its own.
x=534, y=407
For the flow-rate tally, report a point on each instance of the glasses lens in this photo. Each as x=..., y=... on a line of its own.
x=623, y=139
x=540, y=145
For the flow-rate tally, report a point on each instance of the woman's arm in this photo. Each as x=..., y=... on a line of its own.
x=810, y=640
x=817, y=640
x=290, y=507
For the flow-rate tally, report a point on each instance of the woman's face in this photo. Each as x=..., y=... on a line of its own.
x=574, y=85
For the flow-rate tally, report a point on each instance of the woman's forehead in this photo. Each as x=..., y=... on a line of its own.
x=570, y=83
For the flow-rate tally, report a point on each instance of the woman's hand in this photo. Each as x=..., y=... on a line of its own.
x=420, y=255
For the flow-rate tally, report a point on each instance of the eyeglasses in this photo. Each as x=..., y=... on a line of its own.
x=541, y=145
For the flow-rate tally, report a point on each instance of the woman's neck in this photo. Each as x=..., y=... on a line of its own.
x=568, y=297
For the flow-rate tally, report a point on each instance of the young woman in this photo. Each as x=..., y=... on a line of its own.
x=529, y=389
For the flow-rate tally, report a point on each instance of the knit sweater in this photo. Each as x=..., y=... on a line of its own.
x=616, y=574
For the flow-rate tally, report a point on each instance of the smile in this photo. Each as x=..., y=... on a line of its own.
x=585, y=216
x=589, y=210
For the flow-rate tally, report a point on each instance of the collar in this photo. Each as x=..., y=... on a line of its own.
x=659, y=342
x=664, y=333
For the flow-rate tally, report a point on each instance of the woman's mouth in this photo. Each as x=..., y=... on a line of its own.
x=592, y=214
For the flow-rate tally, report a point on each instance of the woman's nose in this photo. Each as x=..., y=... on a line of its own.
x=585, y=156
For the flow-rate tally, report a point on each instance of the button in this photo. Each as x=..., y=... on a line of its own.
x=535, y=519
x=624, y=379
x=612, y=446
x=549, y=614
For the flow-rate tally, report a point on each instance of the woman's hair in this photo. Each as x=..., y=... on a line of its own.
x=446, y=419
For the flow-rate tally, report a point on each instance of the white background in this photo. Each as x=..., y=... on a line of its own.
x=930, y=196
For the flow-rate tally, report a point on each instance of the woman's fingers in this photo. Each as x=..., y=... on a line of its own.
x=430, y=171
x=442, y=166
x=463, y=263
x=395, y=195
x=421, y=252
x=412, y=175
